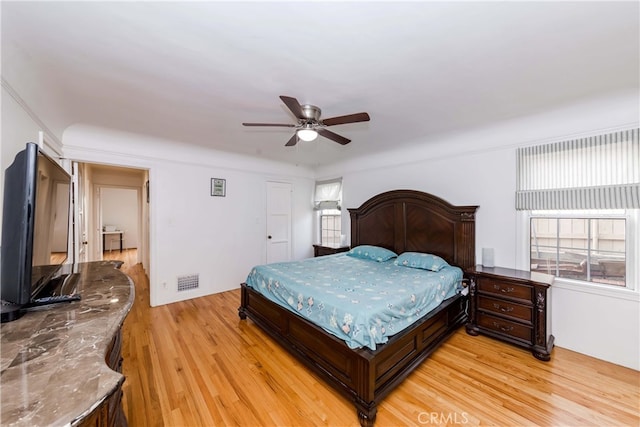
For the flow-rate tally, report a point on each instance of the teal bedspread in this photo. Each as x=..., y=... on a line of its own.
x=362, y=302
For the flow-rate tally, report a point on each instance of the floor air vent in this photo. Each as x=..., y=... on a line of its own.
x=188, y=282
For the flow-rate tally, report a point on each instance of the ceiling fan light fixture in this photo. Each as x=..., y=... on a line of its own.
x=309, y=122
x=307, y=134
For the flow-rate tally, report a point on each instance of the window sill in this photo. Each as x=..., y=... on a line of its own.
x=592, y=288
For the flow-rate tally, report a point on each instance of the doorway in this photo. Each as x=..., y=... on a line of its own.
x=111, y=198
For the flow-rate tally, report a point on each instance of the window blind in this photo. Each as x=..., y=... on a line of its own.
x=599, y=172
x=328, y=194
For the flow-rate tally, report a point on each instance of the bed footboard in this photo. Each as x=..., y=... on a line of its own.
x=363, y=376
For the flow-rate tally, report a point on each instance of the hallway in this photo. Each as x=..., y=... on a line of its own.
x=127, y=256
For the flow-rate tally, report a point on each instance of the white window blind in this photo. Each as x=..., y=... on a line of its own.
x=599, y=172
x=328, y=194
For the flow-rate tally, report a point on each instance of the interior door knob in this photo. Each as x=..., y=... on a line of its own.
x=269, y=236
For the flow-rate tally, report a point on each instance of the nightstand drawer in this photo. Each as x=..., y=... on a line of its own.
x=505, y=289
x=506, y=308
x=504, y=327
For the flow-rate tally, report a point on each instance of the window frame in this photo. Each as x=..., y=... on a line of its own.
x=630, y=291
x=590, y=252
x=328, y=197
x=337, y=214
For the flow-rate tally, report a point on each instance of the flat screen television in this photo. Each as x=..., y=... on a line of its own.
x=35, y=233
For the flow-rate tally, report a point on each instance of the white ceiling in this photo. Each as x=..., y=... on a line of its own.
x=193, y=72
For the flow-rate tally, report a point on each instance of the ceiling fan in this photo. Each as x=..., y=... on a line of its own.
x=310, y=125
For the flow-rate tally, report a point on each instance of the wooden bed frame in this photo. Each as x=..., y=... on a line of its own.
x=400, y=220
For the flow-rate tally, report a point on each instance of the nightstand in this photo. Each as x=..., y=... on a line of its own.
x=321, y=250
x=513, y=306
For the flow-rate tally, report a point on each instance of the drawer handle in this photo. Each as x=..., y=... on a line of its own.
x=502, y=308
x=502, y=328
x=503, y=290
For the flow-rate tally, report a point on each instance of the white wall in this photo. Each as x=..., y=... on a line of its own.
x=218, y=238
x=120, y=209
x=478, y=168
x=20, y=125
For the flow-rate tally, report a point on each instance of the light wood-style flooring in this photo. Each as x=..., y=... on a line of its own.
x=195, y=363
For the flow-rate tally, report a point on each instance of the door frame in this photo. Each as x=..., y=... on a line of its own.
x=268, y=183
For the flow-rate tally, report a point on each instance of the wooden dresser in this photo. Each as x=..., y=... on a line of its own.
x=513, y=306
x=61, y=364
x=109, y=413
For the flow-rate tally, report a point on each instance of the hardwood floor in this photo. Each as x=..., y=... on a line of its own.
x=129, y=258
x=195, y=363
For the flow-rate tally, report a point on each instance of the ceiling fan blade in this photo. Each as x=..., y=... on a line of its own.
x=333, y=136
x=349, y=118
x=269, y=124
x=293, y=141
x=293, y=105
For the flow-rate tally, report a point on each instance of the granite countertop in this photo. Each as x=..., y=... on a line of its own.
x=52, y=359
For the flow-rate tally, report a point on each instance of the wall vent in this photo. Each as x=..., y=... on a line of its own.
x=188, y=282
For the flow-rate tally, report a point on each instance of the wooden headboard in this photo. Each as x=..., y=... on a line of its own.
x=407, y=220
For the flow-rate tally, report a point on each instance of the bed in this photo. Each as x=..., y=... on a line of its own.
x=400, y=221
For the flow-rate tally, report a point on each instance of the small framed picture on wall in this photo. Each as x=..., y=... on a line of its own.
x=218, y=187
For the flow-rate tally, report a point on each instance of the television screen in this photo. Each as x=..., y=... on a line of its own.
x=51, y=222
x=35, y=225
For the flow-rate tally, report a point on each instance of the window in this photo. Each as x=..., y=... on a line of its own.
x=327, y=200
x=579, y=246
x=330, y=227
x=582, y=199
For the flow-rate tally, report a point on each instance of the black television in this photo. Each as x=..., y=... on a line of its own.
x=35, y=233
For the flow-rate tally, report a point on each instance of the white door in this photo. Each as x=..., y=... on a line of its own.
x=278, y=221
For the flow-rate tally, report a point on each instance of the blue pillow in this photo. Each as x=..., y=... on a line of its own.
x=419, y=260
x=375, y=253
